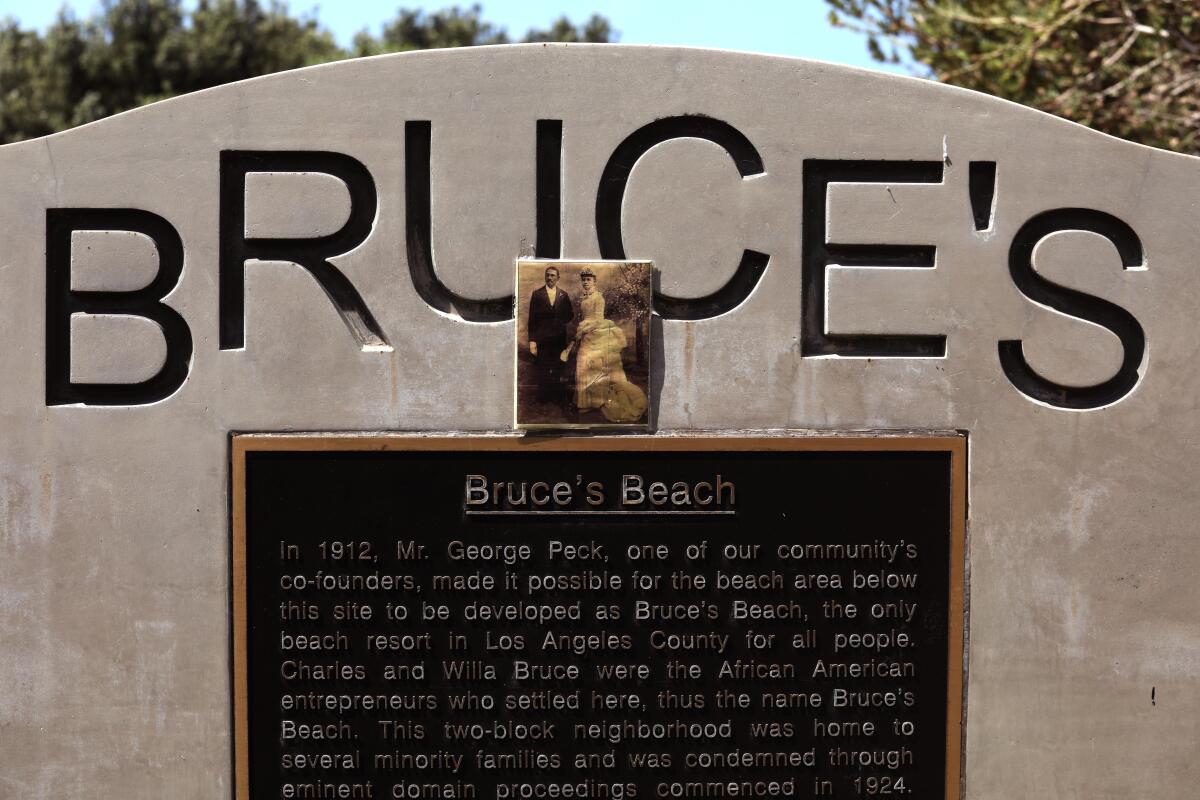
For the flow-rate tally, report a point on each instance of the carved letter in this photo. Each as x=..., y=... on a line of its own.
x=312, y=254
x=818, y=254
x=610, y=196
x=1076, y=304
x=62, y=302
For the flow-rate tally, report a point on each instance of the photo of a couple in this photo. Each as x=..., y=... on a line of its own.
x=583, y=343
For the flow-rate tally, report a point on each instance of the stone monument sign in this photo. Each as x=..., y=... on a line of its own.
x=896, y=500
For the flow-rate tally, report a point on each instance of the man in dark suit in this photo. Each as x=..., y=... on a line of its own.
x=550, y=312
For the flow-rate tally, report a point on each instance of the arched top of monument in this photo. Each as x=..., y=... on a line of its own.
x=585, y=84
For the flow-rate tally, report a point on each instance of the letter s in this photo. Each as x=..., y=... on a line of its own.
x=1076, y=304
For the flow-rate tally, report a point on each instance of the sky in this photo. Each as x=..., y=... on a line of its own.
x=780, y=27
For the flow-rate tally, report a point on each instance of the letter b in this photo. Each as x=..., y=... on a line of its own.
x=62, y=301
x=631, y=490
x=477, y=490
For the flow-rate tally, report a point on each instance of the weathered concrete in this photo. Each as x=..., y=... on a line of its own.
x=114, y=659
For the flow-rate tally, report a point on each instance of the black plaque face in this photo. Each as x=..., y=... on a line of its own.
x=597, y=618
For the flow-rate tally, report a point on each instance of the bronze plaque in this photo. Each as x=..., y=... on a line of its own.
x=520, y=618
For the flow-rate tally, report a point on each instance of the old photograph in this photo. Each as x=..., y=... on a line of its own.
x=583, y=343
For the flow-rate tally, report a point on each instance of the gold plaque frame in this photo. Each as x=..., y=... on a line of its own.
x=954, y=443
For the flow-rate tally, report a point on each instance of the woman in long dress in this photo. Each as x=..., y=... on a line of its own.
x=599, y=343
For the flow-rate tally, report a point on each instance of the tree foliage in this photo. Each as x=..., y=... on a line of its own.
x=457, y=27
x=1127, y=67
x=133, y=52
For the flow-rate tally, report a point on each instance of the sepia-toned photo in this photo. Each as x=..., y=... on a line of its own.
x=583, y=343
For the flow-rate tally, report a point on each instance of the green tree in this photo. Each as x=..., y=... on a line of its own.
x=596, y=29
x=1130, y=68
x=459, y=27
x=133, y=52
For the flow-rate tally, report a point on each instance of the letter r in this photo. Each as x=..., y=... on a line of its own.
x=311, y=254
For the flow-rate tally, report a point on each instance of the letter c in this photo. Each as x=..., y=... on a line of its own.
x=610, y=198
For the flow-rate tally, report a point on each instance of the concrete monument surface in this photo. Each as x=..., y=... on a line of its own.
x=838, y=250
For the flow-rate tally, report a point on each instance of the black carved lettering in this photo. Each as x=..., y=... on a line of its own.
x=610, y=197
x=981, y=186
x=418, y=219
x=1076, y=304
x=62, y=301
x=312, y=254
x=817, y=254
